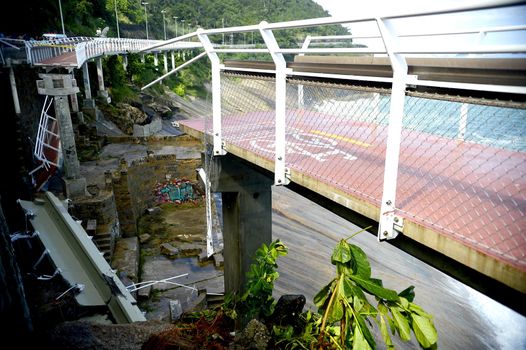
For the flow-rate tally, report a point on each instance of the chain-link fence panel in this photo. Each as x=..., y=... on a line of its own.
x=336, y=134
x=248, y=111
x=462, y=161
x=462, y=172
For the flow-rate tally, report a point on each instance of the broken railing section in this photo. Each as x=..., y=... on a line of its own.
x=136, y=286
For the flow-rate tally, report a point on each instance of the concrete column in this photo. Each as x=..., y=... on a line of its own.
x=165, y=56
x=74, y=103
x=173, y=60
x=61, y=86
x=142, y=58
x=247, y=214
x=14, y=90
x=85, y=78
x=67, y=137
x=100, y=75
x=125, y=62
x=155, y=59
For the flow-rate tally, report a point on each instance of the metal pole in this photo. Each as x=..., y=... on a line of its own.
x=146, y=15
x=216, y=93
x=164, y=24
x=175, y=19
x=61, y=17
x=117, y=19
x=223, y=34
x=388, y=219
x=14, y=91
x=182, y=21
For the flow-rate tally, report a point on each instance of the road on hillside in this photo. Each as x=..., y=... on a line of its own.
x=465, y=318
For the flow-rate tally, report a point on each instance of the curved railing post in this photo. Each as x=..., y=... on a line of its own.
x=280, y=170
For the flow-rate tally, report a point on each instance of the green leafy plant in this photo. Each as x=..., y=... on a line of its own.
x=345, y=313
x=257, y=301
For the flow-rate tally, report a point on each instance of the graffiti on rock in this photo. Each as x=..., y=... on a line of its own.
x=176, y=191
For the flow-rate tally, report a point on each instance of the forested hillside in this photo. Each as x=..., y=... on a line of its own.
x=32, y=18
x=84, y=17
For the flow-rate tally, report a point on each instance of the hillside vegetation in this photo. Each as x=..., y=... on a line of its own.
x=85, y=17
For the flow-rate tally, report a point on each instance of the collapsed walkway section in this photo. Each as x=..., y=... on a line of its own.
x=78, y=260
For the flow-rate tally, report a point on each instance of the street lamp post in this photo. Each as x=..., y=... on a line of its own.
x=146, y=15
x=175, y=19
x=223, y=34
x=61, y=17
x=182, y=21
x=164, y=23
x=117, y=19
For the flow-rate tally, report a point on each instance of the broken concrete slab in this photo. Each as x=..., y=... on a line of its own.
x=190, y=249
x=218, y=260
x=144, y=237
x=169, y=250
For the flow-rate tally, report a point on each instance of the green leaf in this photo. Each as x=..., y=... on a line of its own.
x=322, y=296
x=425, y=331
x=341, y=253
x=401, y=324
x=336, y=312
x=365, y=331
x=408, y=293
x=359, y=342
x=375, y=289
x=362, y=267
x=385, y=333
x=418, y=310
x=357, y=303
x=404, y=303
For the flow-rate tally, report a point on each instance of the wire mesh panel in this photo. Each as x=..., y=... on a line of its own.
x=337, y=133
x=248, y=112
x=462, y=172
x=461, y=168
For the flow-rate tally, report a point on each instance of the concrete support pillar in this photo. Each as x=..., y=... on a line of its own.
x=100, y=75
x=143, y=59
x=247, y=214
x=74, y=103
x=14, y=90
x=173, y=60
x=67, y=137
x=61, y=86
x=102, y=93
x=165, y=57
x=85, y=79
x=125, y=62
x=155, y=59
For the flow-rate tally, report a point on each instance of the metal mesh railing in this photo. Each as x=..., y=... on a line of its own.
x=462, y=161
x=338, y=136
x=248, y=113
x=462, y=169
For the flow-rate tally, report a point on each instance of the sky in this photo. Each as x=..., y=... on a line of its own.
x=504, y=17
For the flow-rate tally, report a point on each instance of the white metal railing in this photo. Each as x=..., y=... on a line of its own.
x=112, y=46
x=86, y=48
x=40, y=50
x=454, y=23
x=47, y=132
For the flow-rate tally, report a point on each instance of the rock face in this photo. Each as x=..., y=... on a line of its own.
x=287, y=309
x=126, y=117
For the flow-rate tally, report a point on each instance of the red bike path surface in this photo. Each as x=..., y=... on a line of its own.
x=471, y=194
